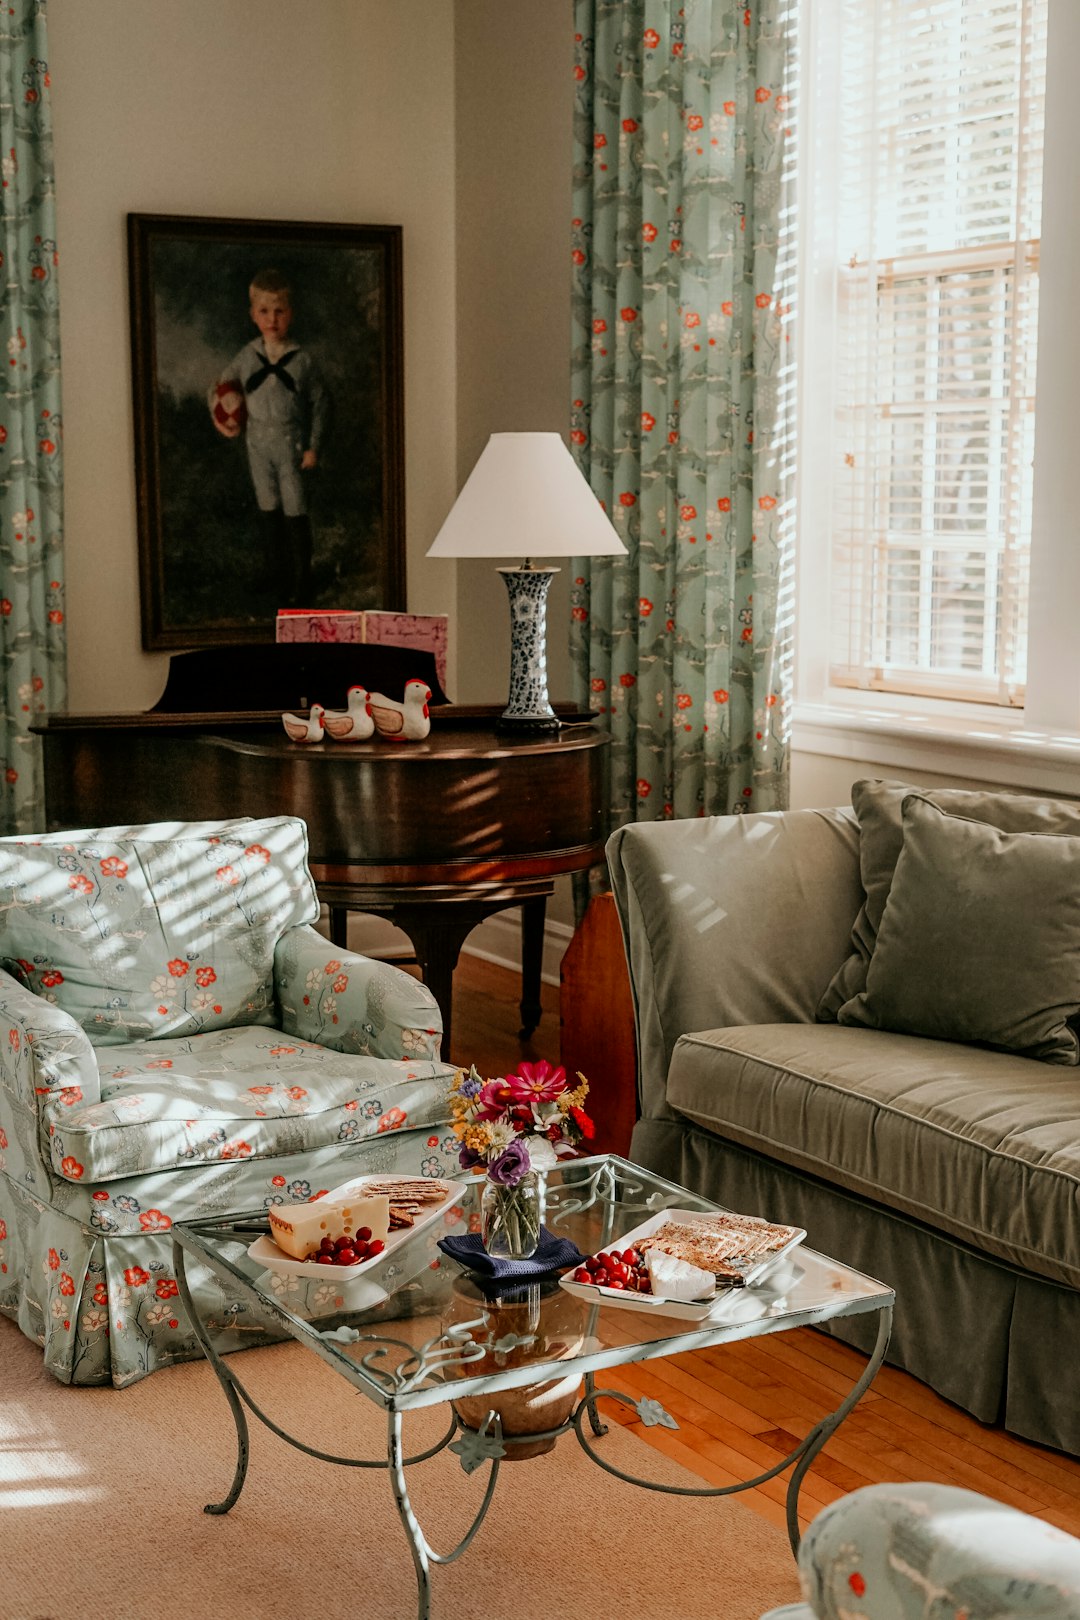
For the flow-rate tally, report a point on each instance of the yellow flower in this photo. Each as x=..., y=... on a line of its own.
x=476, y=1137
x=576, y=1098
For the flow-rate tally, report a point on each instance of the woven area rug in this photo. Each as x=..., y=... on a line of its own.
x=102, y=1491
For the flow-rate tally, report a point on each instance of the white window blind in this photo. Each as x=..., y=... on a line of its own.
x=938, y=198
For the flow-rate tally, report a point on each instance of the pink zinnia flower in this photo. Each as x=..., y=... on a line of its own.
x=493, y=1099
x=536, y=1082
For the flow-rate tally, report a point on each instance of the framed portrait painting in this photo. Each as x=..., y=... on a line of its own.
x=269, y=423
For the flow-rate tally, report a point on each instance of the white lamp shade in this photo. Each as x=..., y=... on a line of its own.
x=526, y=498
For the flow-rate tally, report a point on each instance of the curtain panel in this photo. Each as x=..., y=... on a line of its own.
x=683, y=392
x=32, y=629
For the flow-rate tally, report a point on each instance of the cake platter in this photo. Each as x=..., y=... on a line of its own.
x=730, y=1299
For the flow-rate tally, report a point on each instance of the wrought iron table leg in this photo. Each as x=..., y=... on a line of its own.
x=423, y=1554
x=417, y=1541
x=652, y=1413
x=225, y=1379
x=828, y=1426
x=598, y=1428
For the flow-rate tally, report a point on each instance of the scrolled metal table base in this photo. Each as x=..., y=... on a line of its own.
x=486, y=1445
x=803, y=1454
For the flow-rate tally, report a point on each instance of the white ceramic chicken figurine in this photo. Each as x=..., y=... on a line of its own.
x=402, y=722
x=351, y=724
x=309, y=730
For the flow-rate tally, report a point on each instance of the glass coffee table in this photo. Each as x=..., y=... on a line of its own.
x=515, y=1365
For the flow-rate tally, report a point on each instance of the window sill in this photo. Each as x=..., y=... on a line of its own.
x=978, y=747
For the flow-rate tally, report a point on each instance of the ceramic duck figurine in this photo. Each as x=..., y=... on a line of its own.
x=309, y=730
x=351, y=724
x=402, y=722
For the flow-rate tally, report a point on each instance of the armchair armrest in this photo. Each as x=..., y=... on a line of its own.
x=339, y=999
x=47, y=1064
x=731, y=920
x=45, y=1055
x=907, y=1549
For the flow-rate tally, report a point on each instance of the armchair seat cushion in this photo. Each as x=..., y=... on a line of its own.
x=233, y=1094
x=983, y=1145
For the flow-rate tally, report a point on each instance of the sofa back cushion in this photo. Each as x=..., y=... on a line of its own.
x=879, y=808
x=979, y=939
x=154, y=931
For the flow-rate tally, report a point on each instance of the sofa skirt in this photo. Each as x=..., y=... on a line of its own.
x=998, y=1342
x=106, y=1308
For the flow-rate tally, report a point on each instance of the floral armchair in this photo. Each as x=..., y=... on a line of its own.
x=177, y=1041
x=933, y=1552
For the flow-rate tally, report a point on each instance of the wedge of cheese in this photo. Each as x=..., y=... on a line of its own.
x=678, y=1279
x=300, y=1228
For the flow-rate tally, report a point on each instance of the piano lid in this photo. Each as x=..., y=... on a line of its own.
x=289, y=675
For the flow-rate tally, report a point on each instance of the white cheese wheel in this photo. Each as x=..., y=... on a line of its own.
x=300, y=1228
x=678, y=1279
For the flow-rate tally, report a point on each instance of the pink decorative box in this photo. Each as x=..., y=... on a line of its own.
x=426, y=631
x=318, y=624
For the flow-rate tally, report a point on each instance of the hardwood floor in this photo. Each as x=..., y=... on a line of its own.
x=740, y=1407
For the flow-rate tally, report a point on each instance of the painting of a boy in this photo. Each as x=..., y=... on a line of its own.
x=268, y=363
x=283, y=420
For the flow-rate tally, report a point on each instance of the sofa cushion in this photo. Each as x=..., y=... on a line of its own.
x=982, y=1145
x=145, y=935
x=247, y=1093
x=879, y=808
x=980, y=938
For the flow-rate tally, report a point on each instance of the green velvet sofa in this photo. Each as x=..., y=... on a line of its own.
x=949, y=1170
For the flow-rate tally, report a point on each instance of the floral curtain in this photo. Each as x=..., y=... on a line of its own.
x=683, y=362
x=32, y=630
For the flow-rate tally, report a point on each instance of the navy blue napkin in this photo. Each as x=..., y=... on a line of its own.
x=552, y=1254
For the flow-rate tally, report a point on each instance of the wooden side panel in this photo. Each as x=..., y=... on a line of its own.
x=597, y=1019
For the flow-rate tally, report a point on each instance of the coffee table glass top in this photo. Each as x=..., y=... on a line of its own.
x=413, y=1330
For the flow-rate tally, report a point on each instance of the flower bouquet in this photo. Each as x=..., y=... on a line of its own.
x=514, y=1128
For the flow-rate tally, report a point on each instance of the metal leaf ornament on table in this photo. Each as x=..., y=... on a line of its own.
x=652, y=1414
x=477, y=1447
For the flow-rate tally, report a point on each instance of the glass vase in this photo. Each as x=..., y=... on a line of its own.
x=511, y=1217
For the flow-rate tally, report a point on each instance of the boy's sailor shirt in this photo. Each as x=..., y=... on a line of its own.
x=286, y=395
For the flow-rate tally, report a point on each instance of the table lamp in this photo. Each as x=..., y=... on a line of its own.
x=526, y=498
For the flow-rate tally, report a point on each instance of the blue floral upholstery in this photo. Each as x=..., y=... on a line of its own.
x=912, y=1552
x=140, y=936
x=329, y=1068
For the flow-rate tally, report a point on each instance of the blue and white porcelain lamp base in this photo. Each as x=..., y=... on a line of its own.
x=529, y=712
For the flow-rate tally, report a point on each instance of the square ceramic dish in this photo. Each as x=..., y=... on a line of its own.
x=692, y=1310
x=267, y=1253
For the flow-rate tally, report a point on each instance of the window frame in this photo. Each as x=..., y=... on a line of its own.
x=829, y=718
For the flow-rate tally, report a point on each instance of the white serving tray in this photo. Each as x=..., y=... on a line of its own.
x=689, y=1310
x=267, y=1253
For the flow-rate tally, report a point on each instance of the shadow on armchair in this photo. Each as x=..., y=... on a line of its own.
x=177, y=1041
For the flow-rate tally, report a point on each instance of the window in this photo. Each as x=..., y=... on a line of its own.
x=933, y=198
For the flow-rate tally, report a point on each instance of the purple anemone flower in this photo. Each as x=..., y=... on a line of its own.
x=511, y=1165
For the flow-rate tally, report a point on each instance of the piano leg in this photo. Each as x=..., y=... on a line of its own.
x=532, y=961
x=339, y=926
x=438, y=918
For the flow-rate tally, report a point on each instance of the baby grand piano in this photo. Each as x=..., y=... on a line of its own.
x=435, y=835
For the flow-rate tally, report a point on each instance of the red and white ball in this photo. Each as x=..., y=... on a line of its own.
x=230, y=407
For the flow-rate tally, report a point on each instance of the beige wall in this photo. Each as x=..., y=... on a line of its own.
x=514, y=108
x=246, y=111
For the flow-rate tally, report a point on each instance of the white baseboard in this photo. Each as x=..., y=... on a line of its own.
x=497, y=939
